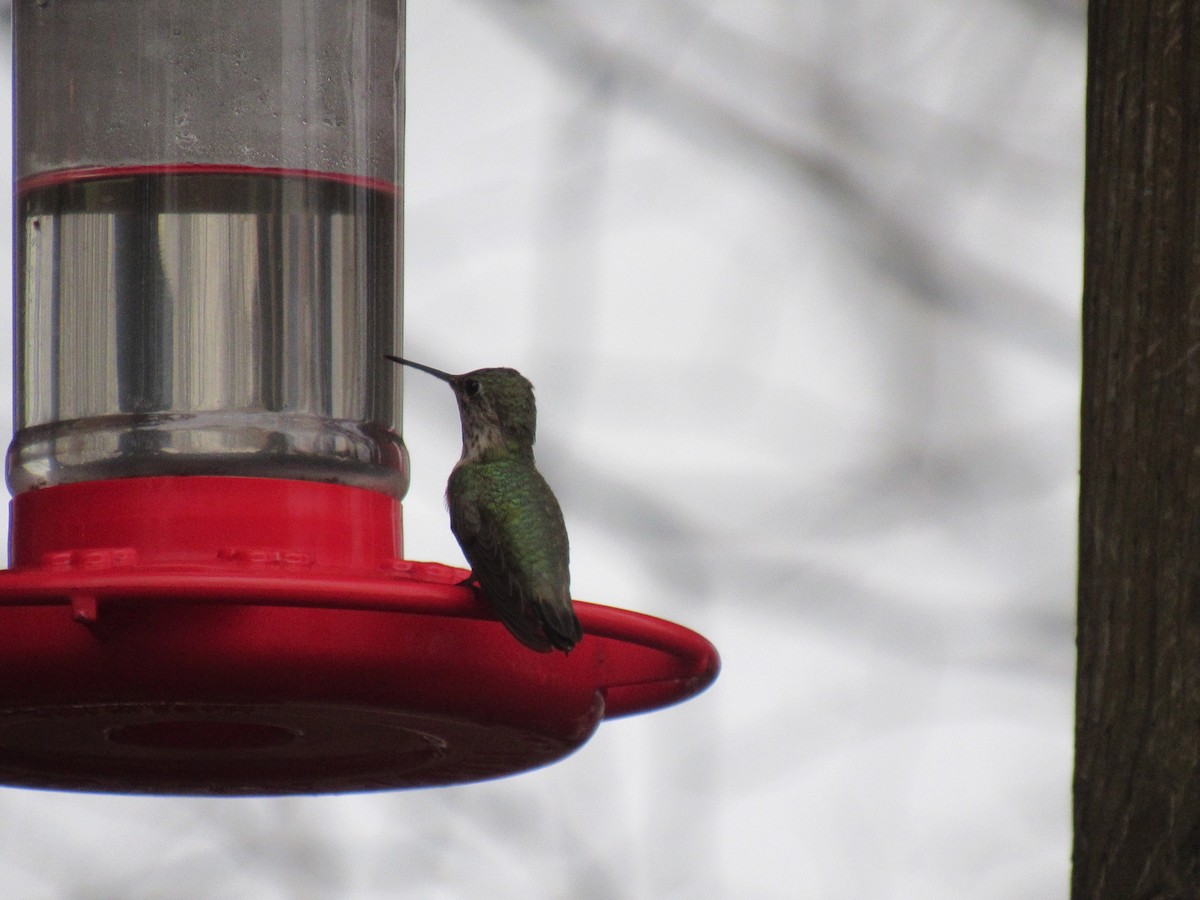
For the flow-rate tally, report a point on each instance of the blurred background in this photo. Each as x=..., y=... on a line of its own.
x=797, y=281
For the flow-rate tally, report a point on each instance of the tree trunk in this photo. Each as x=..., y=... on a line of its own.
x=1137, y=775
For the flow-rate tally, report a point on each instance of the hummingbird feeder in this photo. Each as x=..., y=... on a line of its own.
x=207, y=592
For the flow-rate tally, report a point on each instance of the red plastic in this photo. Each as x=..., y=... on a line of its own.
x=90, y=173
x=233, y=636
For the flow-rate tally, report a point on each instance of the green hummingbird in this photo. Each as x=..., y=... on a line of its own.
x=502, y=511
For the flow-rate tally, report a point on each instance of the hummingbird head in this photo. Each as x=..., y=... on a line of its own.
x=496, y=407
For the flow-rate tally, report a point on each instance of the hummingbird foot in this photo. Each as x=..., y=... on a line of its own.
x=476, y=589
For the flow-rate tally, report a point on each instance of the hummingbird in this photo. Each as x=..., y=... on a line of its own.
x=502, y=511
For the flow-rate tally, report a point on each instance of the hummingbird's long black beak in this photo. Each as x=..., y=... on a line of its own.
x=436, y=373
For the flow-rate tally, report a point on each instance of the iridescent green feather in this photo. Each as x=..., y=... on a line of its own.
x=511, y=529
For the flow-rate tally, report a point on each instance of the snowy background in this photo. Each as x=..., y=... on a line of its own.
x=798, y=283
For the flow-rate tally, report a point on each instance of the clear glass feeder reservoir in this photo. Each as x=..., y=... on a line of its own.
x=207, y=230
x=207, y=592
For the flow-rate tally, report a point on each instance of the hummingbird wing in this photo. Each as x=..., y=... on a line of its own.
x=511, y=530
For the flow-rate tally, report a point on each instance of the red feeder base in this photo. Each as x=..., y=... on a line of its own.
x=238, y=636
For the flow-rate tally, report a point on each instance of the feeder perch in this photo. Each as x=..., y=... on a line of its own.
x=207, y=592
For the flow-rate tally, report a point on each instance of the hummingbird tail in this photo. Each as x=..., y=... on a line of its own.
x=561, y=627
x=541, y=625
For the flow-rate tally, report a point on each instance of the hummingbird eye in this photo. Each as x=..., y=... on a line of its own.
x=471, y=387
